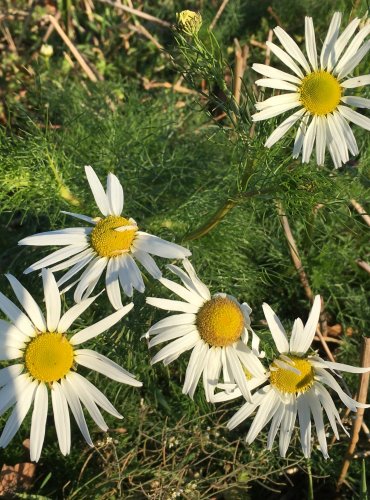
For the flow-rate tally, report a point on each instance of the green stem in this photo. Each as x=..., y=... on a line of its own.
x=310, y=481
x=64, y=191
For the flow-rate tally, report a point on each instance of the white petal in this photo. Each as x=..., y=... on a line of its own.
x=238, y=372
x=359, y=102
x=75, y=406
x=354, y=117
x=249, y=360
x=191, y=297
x=156, y=246
x=199, y=285
x=297, y=336
x=332, y=147
x=85, y=397
x=61, y=418
x=85, y=218
x=274, y=83
x=304, y=415
x=292, y=48
x=101, y=326
x=287, y=425
x=274, y=111
x=52, y=300
x=330, y=39
x=356, y=81
x=10, y=333
x=176, y=347
x=311, y=43
x=287, y=60
x=9, y=373
x=283, y=128
x=148, y=262
x=320, y=363
x=57, y=256
x=38, y=424
x=99, y=363
x=309, y=140
x=298, y=143
x=338, y=137
x=91, y=275
x=171, y=321
x=114, y=194
x=316, y=409
x=353, y=61
x=60, y=237
x=28, y=303
x=210, y=381
x=311, y=325
x=329, y=407
x=125, y=276
x=73, y=313
x=19, y=319
x=277, y=74
x=320, y=140
x=266, y=411
x=354, y=48
x=347, y=133
x=80, y=260
x=97, y=190
x=172, y=305
x=172, y=333
x=278, y=100
x=275, y=424
x=135, y=274
x=112, y=283
x=276, y=328
x=341, y=43
x=248, y=408
x=195, y=367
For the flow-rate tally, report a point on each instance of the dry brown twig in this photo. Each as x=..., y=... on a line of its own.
x=241, y=56
x=364, y=265
x=137, y=13
x=268, y=50
x=357, y=421
x=218, y=14
x=361, y=211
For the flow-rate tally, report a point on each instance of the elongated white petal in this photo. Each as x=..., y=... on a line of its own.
x=276, y=329
x=249, y=360
x=20, y=320
x=85, y=397
x=28, y=303
x=287, y=425
x=97, y=190
x=101, y=326
x=92, y=273
x=309, y=140
x=356, y=81
x=266, y=411
x=102, y=364
x=195, y=367
x=329, y=407
x=85, y=218
x=321, y=363
x=332, y=147
x=311, y=325
x=283, y=128
x=347, y=133
x=38, y=423
x=61, y=418
x=199, y=285
x=292, y=48
x=354, y=117
x=278, y=100
x=277, y=74
x=341, y=43
x=9, y=373
x=287, y=60
x=316, y=409
x=238, y=372
x=114, y=194
x=297, y=336
x=353, y=61
x=338, y=137
x=275, y=424
x=156, y=246
x=9, y=333
x=320, y=140
x=191, y=297
x=135, y=274
x=124, y=275
x=304, y=416
x=81, y=262
x=353, y=48
x=212, y=373
x=75, y=406
x=311, y=43
x=57, y=256
x=10, y=392
x=177, y=346
x=73, y=313
x=330, y=39
x=274, y=111
x=112, y=283
x=172, y=305
x=298, y=142
x=172, y=333
x=274, y=83
x=84, y=256
x=52, y=300
x=148, y=262
x=59, y=237
x=172, y=321
x=359, y=102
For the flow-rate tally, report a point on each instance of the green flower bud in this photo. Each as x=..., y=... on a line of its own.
x=189, y=22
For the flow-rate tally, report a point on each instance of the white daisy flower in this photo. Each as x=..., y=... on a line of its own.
x=48, y=358
x=317, y=88
x=296, y=385
x=113, y=242
x=214, y=327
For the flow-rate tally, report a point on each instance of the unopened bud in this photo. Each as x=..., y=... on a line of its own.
x=189, y=22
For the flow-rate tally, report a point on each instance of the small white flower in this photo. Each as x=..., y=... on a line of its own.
x=214, y=328
x=296, y=386
x=317, y=88
x=48, y=361
x=113, y=242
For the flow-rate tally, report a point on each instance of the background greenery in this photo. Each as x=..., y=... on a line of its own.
x=177, y=164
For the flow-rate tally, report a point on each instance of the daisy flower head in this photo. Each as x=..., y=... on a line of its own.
x=296, y=385
x=317, y=86
x=47, y=360
x=112, y=242
x=214, y=327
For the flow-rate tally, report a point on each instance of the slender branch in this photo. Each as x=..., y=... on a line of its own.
x=212, y=222
x=364, y=265
x=218, y=14
x=361, y=211
x=362, y=394
x=137, y=13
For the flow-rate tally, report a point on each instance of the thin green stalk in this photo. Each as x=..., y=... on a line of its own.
x=310, y=481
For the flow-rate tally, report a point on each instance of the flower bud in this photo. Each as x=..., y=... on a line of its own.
x=189, y=22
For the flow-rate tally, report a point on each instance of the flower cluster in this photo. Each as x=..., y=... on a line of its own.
x=43, y=354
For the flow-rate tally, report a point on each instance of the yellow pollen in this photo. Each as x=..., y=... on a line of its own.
x=287, y=381
x=109, y=243
x=320, y=93
x=49, y=357
x=220, y=322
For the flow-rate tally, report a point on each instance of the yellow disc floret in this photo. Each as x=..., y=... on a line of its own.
x=107, y=242
x=288, y=381
x=320, y=93
x=220, y=322
x=49, y=357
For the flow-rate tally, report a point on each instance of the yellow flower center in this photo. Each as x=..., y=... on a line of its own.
x=320, y=92
x=49, y=357
x=286, y=380
x=107, y=241
x=220, y=322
